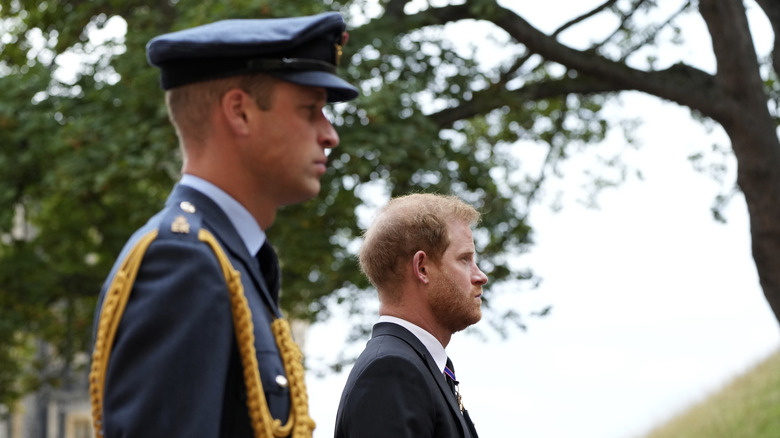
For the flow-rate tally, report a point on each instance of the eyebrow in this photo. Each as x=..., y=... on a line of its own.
x=467, y=252
x=319, y=94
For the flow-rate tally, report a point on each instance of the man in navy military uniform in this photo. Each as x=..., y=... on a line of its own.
x=246, y=98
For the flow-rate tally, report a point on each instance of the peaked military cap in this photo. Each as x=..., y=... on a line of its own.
x=301, y=50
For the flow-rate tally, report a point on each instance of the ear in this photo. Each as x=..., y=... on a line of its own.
x=234, y=107
x=421, y=262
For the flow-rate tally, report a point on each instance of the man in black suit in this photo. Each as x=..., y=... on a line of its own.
x=419, y=254
x=189, y=336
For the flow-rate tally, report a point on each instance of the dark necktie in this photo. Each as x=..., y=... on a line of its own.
x=449, y=372
x=452, y=382
x=269, y=267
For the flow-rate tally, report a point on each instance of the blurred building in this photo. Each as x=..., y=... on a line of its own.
x=55, y=411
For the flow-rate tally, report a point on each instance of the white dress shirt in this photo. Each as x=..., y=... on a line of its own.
x=431, y=343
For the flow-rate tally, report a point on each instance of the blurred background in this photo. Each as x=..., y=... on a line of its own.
x=602, y=140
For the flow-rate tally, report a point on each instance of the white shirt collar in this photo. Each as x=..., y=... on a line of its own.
x=431, y=343
x=245, y=224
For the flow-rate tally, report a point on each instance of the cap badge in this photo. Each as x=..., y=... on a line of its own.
x=340, y=45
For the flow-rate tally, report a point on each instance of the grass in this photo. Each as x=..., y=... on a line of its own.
x=747, y=407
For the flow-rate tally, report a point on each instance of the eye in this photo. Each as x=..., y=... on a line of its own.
x=313, y=111
x=309, y=110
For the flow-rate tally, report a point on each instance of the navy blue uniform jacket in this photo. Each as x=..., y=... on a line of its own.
x=174, y=370
x=395, y=390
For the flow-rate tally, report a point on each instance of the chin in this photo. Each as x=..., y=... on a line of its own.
x=303, y=196
x=469, y=323
x=314, y=190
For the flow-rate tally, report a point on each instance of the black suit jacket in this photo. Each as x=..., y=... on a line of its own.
x=396, y=390
x=174, y=370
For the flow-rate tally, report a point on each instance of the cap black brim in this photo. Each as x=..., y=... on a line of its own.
x=338, y=89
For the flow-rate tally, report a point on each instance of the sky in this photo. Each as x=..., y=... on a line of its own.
x=655, y=305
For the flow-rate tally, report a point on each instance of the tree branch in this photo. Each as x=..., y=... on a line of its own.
x=496, y=96
x=576, y=20
x=772, y=10
x=680, y=83
x=733, y=46
x=624, y=17
x=655, y=32
x=739, y=78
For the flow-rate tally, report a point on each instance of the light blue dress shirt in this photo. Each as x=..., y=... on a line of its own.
x=246, y=225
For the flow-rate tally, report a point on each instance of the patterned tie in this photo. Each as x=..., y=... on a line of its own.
x=453, y=383
x=269, y=267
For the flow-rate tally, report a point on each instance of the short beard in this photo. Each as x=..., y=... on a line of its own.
x=451, y=308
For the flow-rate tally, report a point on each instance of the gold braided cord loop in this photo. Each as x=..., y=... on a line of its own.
x=261, y=419
x=293, y=366
x=264, y=425
x=111, y=312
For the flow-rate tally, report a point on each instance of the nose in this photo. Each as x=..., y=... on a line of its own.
x=479, y=277
x=327, y=137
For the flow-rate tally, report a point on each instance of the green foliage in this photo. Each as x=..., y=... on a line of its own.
x=748, y=407
x=83, y=161
x=88, y=155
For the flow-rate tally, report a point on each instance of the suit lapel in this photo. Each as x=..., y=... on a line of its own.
x=219, y=224
x=388, y=328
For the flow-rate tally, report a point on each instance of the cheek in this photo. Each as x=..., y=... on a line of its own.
x=465, y=275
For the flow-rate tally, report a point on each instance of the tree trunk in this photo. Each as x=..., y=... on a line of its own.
x=753, y=135
x=734, y=96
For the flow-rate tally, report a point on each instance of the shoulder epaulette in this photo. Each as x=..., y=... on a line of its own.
x=182, y=221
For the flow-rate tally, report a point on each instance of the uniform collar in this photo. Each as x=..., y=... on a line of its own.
x=244, y=223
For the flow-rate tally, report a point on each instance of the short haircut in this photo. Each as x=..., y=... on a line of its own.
x=407, y=224
x=189, y=106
